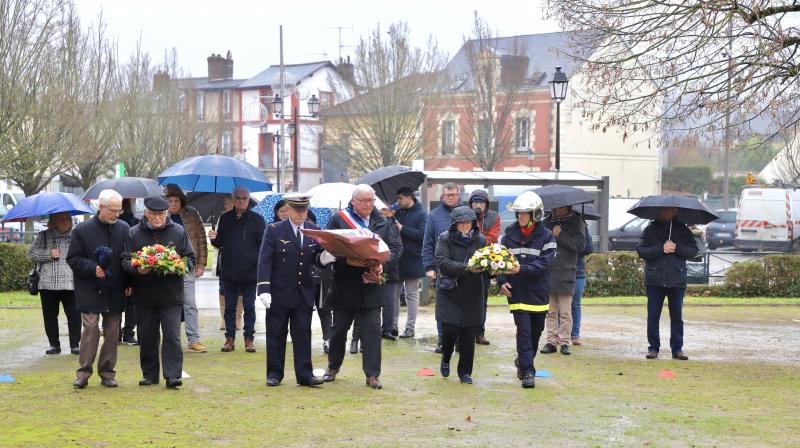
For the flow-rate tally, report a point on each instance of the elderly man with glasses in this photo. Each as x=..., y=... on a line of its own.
x=239, y=235
x=94, y=256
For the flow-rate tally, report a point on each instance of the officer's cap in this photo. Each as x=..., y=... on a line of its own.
x=298, y=201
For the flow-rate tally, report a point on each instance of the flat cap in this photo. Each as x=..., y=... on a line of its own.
x=156, y=203
x=298, y=201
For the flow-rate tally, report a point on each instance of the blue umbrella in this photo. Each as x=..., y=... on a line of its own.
x=266, y=208
x=214, y=174
x=45, y=203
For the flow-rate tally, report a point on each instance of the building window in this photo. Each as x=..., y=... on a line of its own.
x=227, y=142
x=325, y=100
x=226, y=105
x=522, y=133
x=200, y=106
x=484, y=136
x=448, y=137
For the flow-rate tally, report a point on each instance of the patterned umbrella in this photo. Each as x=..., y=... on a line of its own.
x=266, y=208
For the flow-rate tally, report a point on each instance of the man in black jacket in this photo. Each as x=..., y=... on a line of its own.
x=350, y=296
x=665, y=246
x=411, y=220
x=94, y=257
x=239, y=234
x=159, y=297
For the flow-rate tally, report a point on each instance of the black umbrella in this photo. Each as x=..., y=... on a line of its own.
x=588, y=211
x=690, y=210
x=387, y=180
x=127, y=187
x=555, y=196
x=210, y=204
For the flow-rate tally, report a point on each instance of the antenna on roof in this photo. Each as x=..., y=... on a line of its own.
x=341, y=45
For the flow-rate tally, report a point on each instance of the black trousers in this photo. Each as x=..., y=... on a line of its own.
x=325, y=314
x=369, y=333
x=279, y=321
x=50, y=304
x=486, y=282
x=129, y=330
x=529, y=329
x=168, y=320
x=465, y=336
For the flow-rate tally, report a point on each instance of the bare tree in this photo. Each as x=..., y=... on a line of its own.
x=393, y=82
x=686, y=64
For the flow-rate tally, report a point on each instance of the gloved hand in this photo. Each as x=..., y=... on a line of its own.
x=266, y=299
x=326, y=258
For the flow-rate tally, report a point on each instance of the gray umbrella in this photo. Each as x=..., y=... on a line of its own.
x=588, y=211
x=127, y=187
x=555, y=196
x=690, y=209
x=387, y=180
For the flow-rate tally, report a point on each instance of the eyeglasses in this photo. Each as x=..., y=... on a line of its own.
x=115, y=211
x=157, y=214
x=366, y=201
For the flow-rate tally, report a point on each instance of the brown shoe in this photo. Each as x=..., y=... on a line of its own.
x=80, y=383
x=330, y=375
x=229, y=345
x=576, y=341
x=480, y=340
x=249, y=347
x=374, y=383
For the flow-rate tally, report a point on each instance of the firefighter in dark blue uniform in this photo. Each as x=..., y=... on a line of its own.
x=286, y=287
x=534, y=246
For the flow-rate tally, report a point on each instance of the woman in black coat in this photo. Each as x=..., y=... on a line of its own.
x=459, y=291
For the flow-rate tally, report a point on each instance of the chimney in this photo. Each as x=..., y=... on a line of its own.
x=160, y=80
x=219, y=67
x=513, y=70
x=347, y=71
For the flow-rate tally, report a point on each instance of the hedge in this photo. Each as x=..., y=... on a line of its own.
x=614, y=274
x=14, y=266
x=771, y=276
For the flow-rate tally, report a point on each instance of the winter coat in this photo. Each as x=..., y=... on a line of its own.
x=463, y=305
x=93, y=295
x=240, y=240
x=413, y=220
x=530, y=289
x=580, y=267
x=54, y=275
x=488, y=220
x=393, y=269
x=571, y=241
x=438, y=222
x=666, y=270
x=152, y=289
x=348, y=290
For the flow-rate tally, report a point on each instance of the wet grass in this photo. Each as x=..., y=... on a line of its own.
x=18, y=299
x=593, y=399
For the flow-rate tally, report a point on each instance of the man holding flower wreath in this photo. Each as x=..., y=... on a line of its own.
x=158, y=254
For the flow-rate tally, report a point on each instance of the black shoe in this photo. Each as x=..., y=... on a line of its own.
x=80, y=383
x=173, y=383
x=326, y=347
x=354, y=346
x=651, y=354
x=481, y=340
x=388, y=336
x=528, y=380
x=395, y=332
x=520, y=373
x=565, y=349
x=444, y=368
x=407, y=334
x=147, y=382
x=438, y=348
x=109, y=382
x=312, y=382
x=679, y=355
x=466, y=379
x=330, y=375
x=75, y=350
x=129, y=340
x=548, y=348
x=53, y=350
x=272, y=382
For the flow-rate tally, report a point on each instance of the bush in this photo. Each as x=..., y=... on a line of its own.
x=14, y=267
x=614, y=274
x=771, y=276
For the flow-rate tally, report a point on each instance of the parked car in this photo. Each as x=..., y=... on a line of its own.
x=627, y=236
x=721, y=232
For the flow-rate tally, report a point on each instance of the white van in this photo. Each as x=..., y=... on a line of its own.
x=768, y=219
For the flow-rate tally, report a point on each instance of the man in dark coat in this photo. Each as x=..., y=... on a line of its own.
x=570, y=233
x=94, y=257
x=438, y=222
x=665, y=246
x=350, y=297
x=411, y=219
x=239, y=235
x=128, y=335
x=159, y=297
x=459, y=291
x=286, y=286
x=489, y=225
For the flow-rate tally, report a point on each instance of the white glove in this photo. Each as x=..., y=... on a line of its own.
x=266, y=299
x=326, y=258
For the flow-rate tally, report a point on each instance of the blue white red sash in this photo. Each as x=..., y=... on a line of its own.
x=352, y=220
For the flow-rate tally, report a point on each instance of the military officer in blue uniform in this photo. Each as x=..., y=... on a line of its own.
x=286, y=287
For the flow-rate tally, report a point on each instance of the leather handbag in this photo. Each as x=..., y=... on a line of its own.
x=33, y=276
x=446, y=283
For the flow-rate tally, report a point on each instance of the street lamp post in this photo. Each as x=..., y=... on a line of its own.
x=294, y=128
x=558, y=91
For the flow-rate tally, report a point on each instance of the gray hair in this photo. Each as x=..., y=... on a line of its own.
x=107, y=195
x=450, y=186
x=362, y=188
x=240, y=188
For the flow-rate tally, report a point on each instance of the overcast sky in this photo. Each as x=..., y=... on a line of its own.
x=249, y=29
